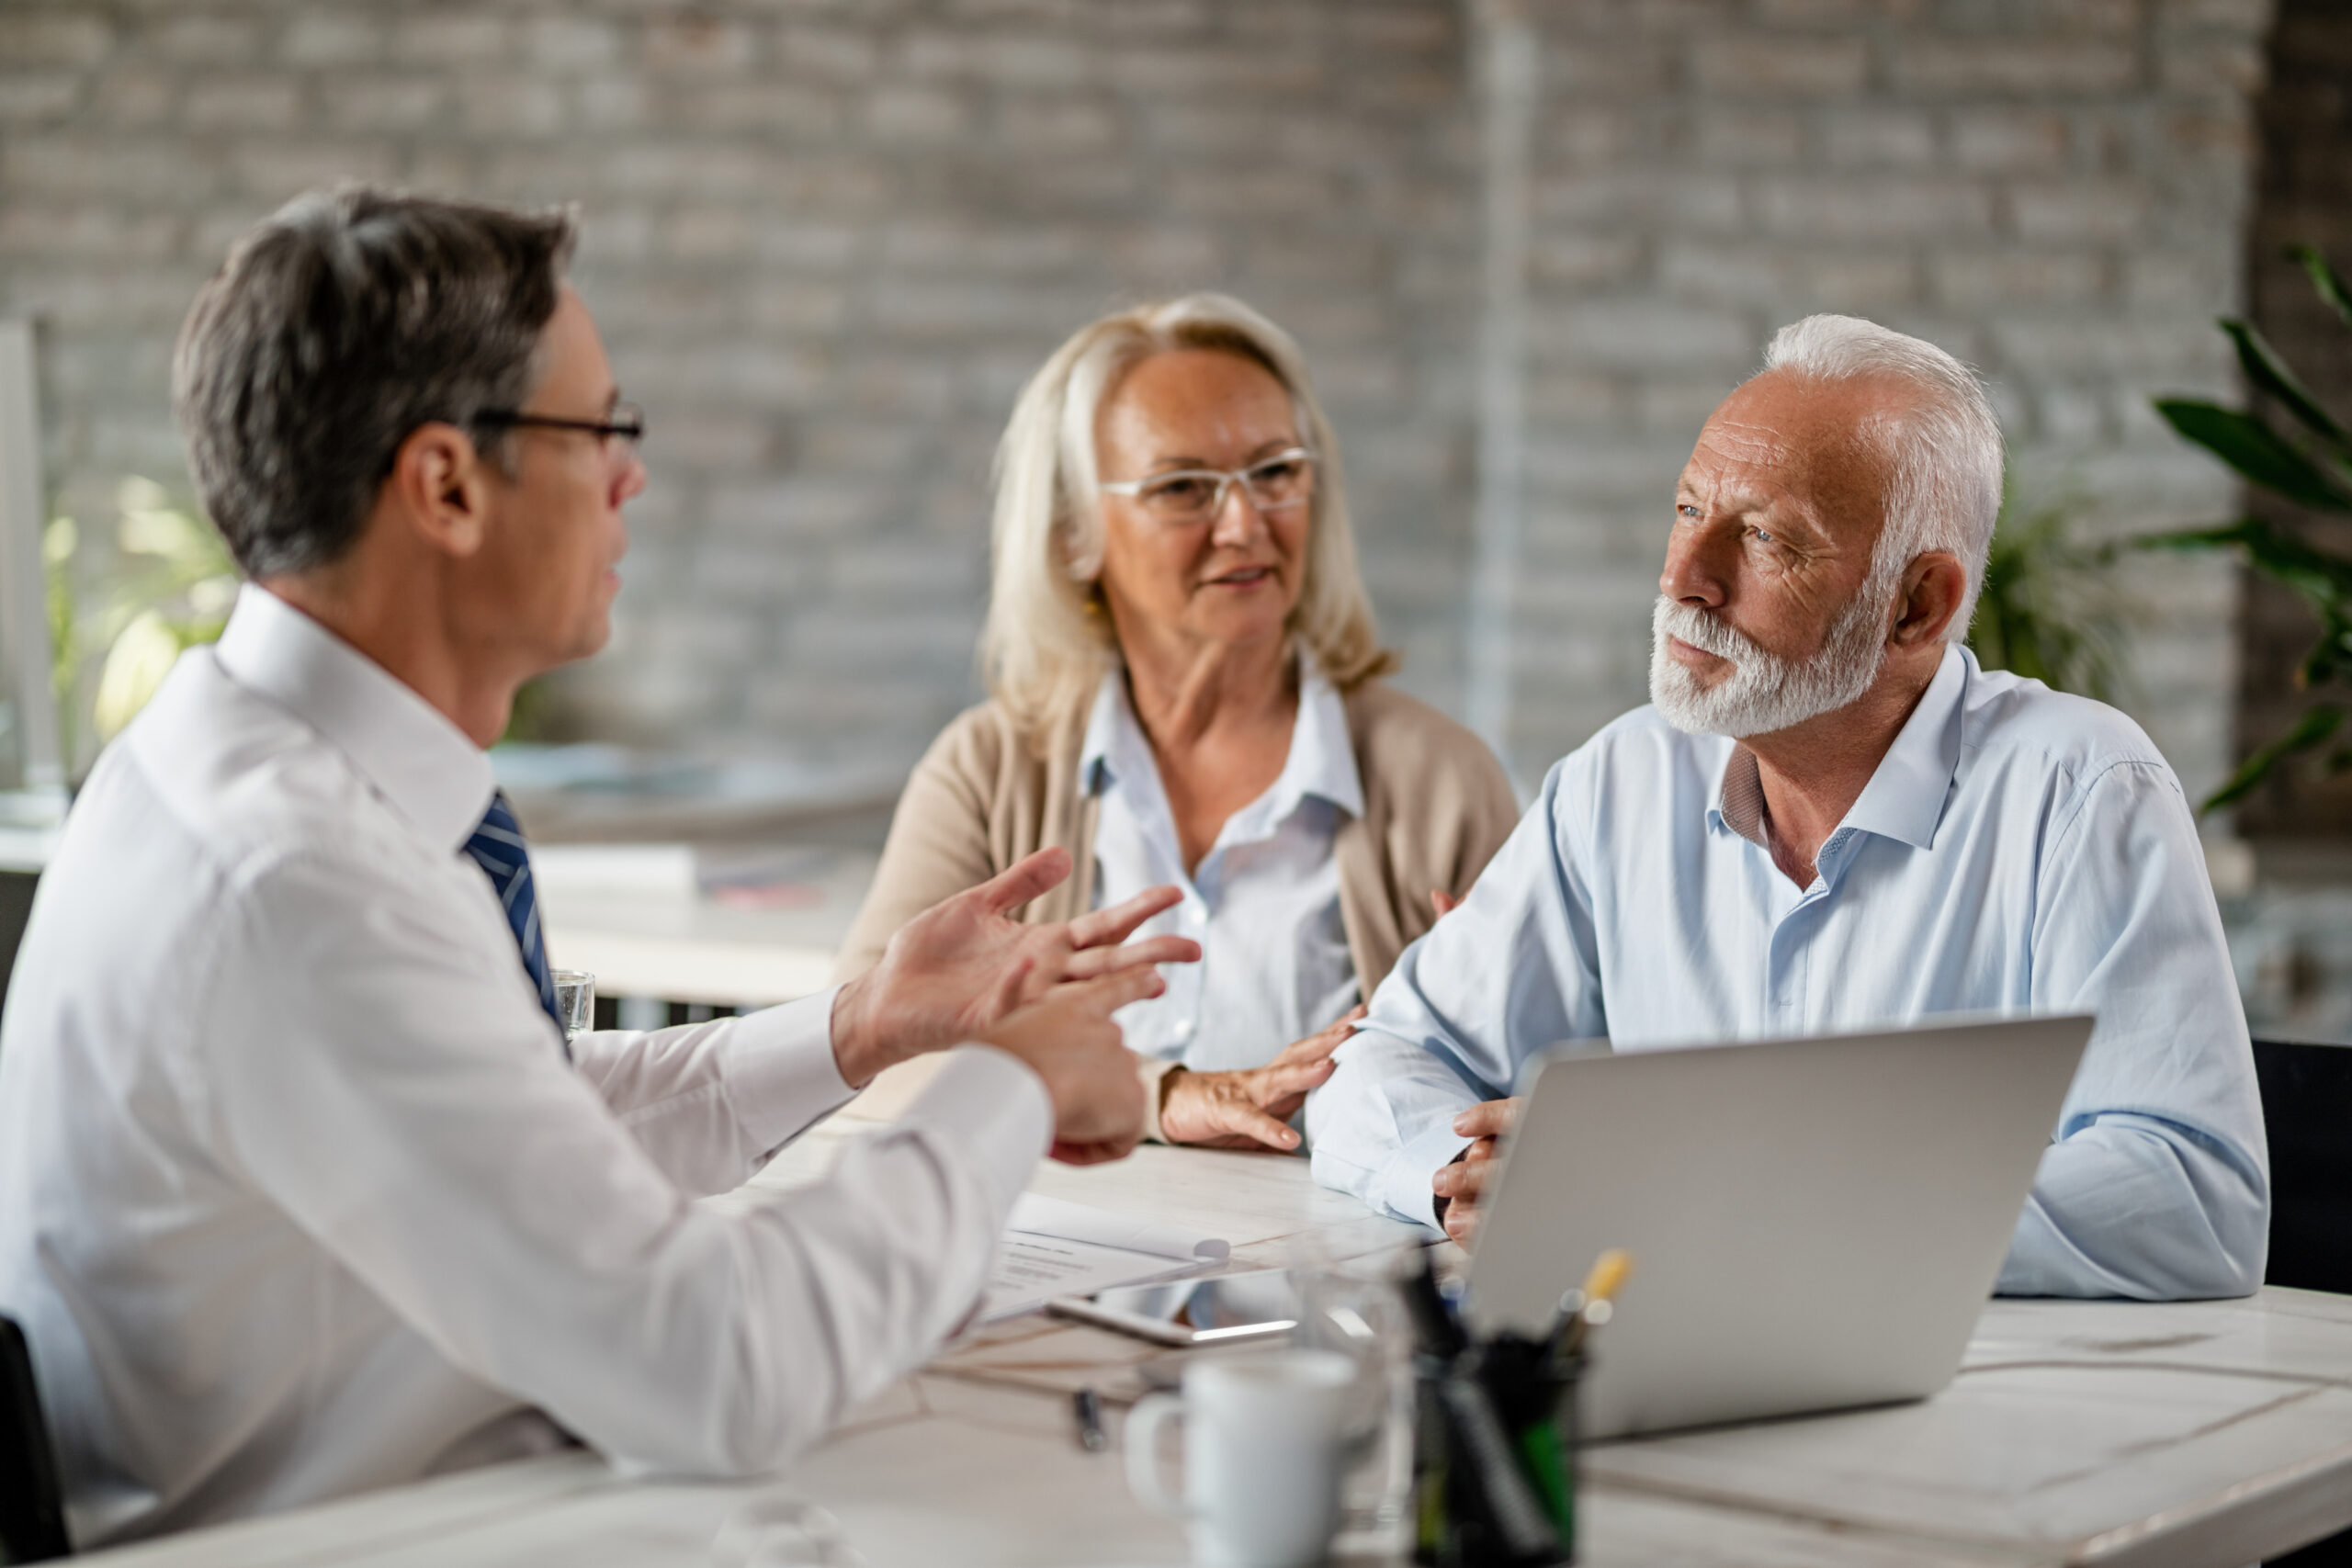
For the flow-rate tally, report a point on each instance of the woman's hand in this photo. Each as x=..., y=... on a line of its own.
x=1246, y=1109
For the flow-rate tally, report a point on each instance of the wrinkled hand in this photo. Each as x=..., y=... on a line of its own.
x=961, y=967
x=1246, y=1109
x=1461, y=1186
x=1068, y=1039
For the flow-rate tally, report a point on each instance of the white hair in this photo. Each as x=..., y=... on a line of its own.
x=1944, y=445
x=1048, y=643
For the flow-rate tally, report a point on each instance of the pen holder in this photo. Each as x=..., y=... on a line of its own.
x=1494, y=1456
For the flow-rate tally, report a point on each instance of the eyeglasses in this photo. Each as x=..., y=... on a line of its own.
x=626, y=425
x=1277, y=483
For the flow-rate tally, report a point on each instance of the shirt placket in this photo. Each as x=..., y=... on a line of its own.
x=1789, y=992
x=1188, y=985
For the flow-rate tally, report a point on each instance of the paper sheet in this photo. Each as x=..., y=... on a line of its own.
x=1054, y=1247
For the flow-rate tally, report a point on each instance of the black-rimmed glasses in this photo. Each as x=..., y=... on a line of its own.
x=626, y=425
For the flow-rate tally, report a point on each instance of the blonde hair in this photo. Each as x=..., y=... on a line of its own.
x=1047, y=644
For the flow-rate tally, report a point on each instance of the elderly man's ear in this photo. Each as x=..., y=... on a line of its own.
x=1932, y=587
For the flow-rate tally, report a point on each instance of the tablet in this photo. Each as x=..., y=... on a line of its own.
x=1220, y=1309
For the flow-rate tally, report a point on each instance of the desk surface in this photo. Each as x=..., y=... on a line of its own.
x=2076, y=1432
x=636, y=918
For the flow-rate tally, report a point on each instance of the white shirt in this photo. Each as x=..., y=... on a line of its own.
x=1264, y=903
x=2016, y=851
x=297, y=1195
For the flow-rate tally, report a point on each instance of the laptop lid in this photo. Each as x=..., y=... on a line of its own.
x=1815, y=1223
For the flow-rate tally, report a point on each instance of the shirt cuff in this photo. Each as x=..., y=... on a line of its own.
x=1405, y=1182
x=992, y=1103
x=1154, y=1074
x=780, y=1070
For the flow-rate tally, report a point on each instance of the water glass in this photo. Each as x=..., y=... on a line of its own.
x=575, y=999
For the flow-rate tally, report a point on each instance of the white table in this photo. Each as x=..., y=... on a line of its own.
x=633, y=917
x=2076, y=1432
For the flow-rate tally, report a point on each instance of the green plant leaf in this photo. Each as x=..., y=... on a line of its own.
x=2255, y=450
x=2318, y=575
x=2330, y=287
x=2317, y=723
x=2269, y=374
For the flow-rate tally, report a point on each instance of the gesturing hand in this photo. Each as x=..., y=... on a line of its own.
x=1246, y=1109
x=1068, y=1037
x=1461, y=1186
x=961, y=965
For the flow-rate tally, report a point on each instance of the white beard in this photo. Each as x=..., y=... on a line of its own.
x=1765, y=693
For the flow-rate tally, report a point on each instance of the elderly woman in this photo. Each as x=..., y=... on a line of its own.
x=1187, y=690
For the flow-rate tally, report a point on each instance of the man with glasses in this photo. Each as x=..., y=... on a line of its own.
x=300, y=1190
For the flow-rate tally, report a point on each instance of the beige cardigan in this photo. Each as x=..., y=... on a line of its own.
x=1436, y=806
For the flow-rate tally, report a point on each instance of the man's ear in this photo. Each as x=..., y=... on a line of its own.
x=1932, y=587
x=440, y=488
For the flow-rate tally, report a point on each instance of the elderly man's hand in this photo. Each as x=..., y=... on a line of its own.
x=1246, y=1109
x=963, y=966
x=1461, y=1186
x=1068, y=1039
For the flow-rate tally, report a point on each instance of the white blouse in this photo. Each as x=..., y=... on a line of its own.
x=1264, y=903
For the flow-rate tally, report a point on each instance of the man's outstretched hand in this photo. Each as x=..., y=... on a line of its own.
x=1069, y=1040
x=964, y=965
x=1461, y=1186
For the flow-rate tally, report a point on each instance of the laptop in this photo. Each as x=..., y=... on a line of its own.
x=1815, y=1223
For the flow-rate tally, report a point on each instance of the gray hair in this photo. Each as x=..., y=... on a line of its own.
x=1945, y=447
x=343, y=322
x=1047, y=645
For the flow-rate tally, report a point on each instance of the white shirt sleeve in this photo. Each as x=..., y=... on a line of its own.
x=708, y=1102
x=399, y=1097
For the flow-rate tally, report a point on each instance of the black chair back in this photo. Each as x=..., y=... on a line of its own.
x=2307, y=1106
x=32, y=1510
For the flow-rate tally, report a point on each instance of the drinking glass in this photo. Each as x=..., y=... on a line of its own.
x=575, y=999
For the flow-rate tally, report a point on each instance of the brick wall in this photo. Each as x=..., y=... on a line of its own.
x=827, y=240
x=2053, y=191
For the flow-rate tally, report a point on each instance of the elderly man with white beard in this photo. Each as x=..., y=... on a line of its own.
x=1830, y=819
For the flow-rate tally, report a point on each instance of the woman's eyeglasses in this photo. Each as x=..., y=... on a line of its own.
x=625, y=425
x=1190, y=495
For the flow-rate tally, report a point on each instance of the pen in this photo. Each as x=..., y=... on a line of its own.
x=1433, y=1322
x=1609, y=1272
x=1087, y=1405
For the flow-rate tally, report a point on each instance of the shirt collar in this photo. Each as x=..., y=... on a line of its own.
x=400, y=744
x=1322, y=759
x=1904, y=799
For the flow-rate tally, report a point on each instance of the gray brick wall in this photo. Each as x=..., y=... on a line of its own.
x=826, y=243
x=827, y=240
x=2055, y=192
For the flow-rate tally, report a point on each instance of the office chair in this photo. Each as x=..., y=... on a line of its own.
x=2307, y=1108
x=32, y=1513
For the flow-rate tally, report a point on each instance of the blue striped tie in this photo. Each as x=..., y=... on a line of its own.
x=497, y=847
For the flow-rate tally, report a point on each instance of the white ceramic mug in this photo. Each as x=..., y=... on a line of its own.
x=1265, y=1437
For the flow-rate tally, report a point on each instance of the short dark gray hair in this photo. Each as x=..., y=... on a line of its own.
x=345, y=321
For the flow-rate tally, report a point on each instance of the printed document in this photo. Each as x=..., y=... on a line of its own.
x=1054, y=1247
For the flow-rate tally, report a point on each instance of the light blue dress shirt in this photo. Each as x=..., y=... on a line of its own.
x=1264, y=903
x=2016, y=849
